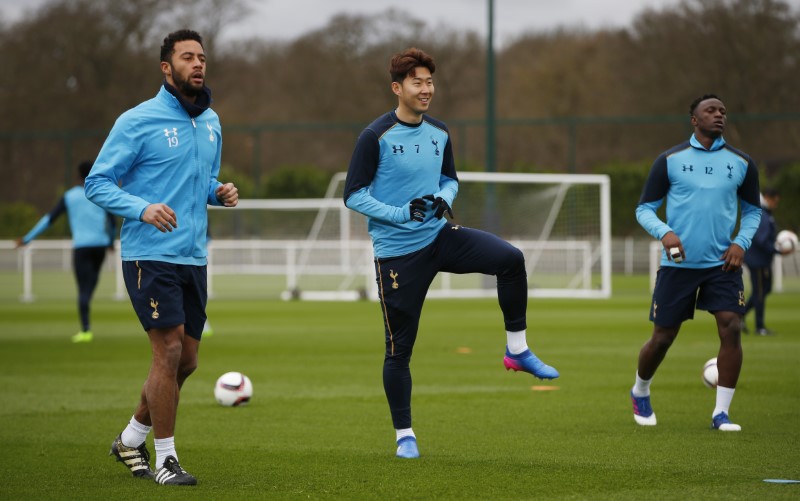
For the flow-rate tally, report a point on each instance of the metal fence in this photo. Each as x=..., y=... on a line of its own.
x=558, y=145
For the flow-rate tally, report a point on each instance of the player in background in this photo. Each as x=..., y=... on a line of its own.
x=93, y=231
x=158, y=169
x=758, y=259
x=705, y=182
x=402, y=177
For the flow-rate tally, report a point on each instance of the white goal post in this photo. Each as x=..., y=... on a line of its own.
x=561, y=222
x=318, y=249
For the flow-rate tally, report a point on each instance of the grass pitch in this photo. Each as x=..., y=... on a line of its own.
x=318, y=425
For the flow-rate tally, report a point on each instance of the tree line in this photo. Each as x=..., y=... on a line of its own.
x=567, y=100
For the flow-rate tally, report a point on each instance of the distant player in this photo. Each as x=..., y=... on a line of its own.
x=93, y=231
x=704, y=182
x=402, y=176
x=759, y=259
x=158, y=169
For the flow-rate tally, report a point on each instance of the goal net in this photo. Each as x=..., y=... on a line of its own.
x=317, y=249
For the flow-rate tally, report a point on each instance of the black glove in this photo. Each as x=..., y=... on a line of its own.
x=439, y=204
x=417, y=209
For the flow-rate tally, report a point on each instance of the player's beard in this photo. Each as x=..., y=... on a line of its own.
x=185, y=87
x=713, y=133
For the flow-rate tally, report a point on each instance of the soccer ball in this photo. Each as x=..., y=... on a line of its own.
x=786, y=241
x=710, y=373
x=233, y=389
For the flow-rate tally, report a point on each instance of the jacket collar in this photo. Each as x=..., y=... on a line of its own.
x=718, y=144
x=193, y=109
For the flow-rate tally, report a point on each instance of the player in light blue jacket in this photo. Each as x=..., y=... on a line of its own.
x=93, y=231
x=158, y=169
x=705, y=183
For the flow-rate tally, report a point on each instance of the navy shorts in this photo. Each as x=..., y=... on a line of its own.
x=679, y=291
x=403, y=281
x=165, y=295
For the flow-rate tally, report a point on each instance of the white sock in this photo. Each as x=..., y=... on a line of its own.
x=642, y=387
x=405, y=432
x=516, y=342
x=724, y=397
x=164, y=447
x=135, y=433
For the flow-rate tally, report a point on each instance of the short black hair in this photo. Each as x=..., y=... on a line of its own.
x=771, y=192
x=699, y=100
x=84, y=168
x=403, y=64
x=168, y=47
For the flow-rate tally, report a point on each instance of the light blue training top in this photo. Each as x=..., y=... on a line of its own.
x=393, y=163
x=89, y=224
x=157, y=153
x=703, y=189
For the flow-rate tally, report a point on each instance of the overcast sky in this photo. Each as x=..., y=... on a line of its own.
x=288, y=19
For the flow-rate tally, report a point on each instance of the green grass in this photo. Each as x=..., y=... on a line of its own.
x=319, y=427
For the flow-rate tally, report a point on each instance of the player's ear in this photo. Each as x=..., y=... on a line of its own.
x=397, y=88
x=166, y=69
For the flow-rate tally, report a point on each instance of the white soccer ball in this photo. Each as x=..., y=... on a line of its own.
x=786, y=241
x=233, y=389
x=710, y=373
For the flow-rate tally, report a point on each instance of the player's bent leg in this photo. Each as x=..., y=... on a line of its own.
x=650, y=357
x=476, y=251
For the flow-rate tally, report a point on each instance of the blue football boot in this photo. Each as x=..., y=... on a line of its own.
x=643, y=411
x=527, y=362
x=407, y=448
x=721, y=422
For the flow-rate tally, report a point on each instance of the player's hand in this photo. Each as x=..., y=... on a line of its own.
x=160, y=216
x=733, y=257
x=18, y=243
x=672, y=241
x=440, y=206
x=416, y=209
x=228, y=194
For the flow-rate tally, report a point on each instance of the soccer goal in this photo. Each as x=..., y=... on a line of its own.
x=320, y=250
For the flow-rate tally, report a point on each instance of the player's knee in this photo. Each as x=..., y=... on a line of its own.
x=399, y=358
x=662, y=343
x=167, y=352
x=186, y=369
x=730, y=329
x=513, y=264
x=663, y=338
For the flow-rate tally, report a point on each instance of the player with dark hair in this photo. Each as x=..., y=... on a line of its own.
x=402, y=176
x=705, y=182
x=93, y=231
x=758, y=259
x=158, y=169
